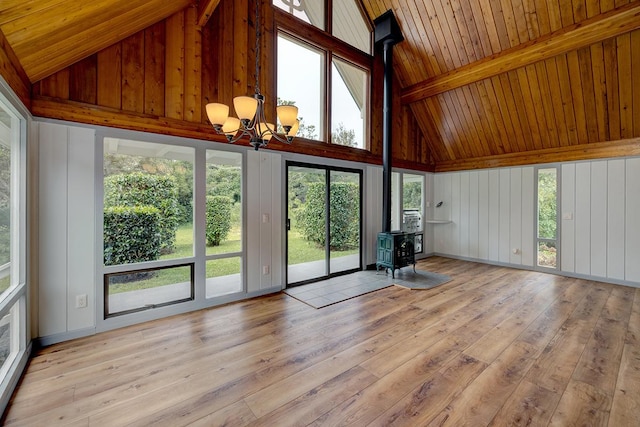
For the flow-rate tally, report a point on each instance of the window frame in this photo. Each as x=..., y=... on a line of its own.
x=536, y=239
x=198, y=258
x=305, y=33
x=14, y=302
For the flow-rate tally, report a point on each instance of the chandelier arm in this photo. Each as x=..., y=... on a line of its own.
x=282, y=140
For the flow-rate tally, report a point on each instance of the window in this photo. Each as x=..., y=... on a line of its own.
x=311, y=12
x=407, y=198
x=13, y=313
x=7, y=200
x=349, y=96
x=347, y=19
x=224, y=223
x=302, y=85
x=326, y=74
x=173, y=224
x=547, y=218
x=147, y=225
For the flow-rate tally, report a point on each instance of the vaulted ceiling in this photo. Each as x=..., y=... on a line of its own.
x=484, y=79
x=487, y=78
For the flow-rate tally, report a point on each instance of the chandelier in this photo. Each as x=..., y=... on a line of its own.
x=251, y=121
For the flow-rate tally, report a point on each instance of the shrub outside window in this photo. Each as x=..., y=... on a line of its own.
x=224, y=234
x=147, y=225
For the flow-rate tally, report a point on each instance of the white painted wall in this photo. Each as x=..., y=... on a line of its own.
x=67, y=228
x=372, y=215
x=69, y=262
x=600, y=201
x=491, y=213
x=265, y=221
x=602, y=238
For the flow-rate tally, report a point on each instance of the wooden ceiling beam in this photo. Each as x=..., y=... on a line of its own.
x=205, y=10
x=592, y=151
x=601, y=27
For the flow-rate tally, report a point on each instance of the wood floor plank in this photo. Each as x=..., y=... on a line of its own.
x=277, y=394
x=554, y=367
x=494, y=346
x=502, y=335
x=582, y=405
x=428, y=399
x=369, y=403
x=599, y=364
x=482, y=399
x=529, y=405
x=320, y=400
x=625, y=409
x=237, y=414
x=439, y=323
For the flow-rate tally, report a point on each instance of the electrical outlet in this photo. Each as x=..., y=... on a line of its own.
x=81, y=301
x=265, y=270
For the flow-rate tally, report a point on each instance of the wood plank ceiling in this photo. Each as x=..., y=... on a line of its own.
x=484, y=79
x=585, y=91
x=49, y=35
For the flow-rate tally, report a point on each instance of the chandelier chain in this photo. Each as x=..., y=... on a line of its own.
x=257, y=50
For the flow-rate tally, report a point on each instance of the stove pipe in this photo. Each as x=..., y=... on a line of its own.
x=387, y=33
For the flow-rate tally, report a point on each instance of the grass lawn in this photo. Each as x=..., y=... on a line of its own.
x=301, y=250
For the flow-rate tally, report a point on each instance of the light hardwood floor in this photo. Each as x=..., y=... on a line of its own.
x=495, y=346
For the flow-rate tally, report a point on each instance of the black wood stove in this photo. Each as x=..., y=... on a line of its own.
x=396, y=249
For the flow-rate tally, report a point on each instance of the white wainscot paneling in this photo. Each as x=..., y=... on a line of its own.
x=455, y=214
x=494, y=215
x=464, y=215
x=599, y=219
x=429, y=233
x=515, y=224
x=583, y=218
x=474, y=232
x=81, y=260
x=616, y=219
x=372, y=215
x=442, y=232
x=52, y=290
x=568, y=214
x=253, y=222
x=528, y=217
x=505, y=216
x=632, y=221
x=483, y=214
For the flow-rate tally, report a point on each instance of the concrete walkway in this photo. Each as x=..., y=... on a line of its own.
x=223, y=285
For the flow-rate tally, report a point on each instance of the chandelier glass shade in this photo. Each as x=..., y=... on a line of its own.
x=251, y=121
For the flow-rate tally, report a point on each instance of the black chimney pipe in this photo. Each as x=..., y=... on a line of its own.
x=387, y=33
x=387, y=126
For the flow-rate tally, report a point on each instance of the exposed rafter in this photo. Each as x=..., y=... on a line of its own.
x=205, y=10
x=601, y=27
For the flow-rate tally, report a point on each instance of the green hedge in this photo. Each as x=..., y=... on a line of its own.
x=345, y=212
x=218, y=219
x=131, y=234
x=140, y=189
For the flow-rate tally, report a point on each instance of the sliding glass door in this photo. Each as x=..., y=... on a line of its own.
x=323, y=222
